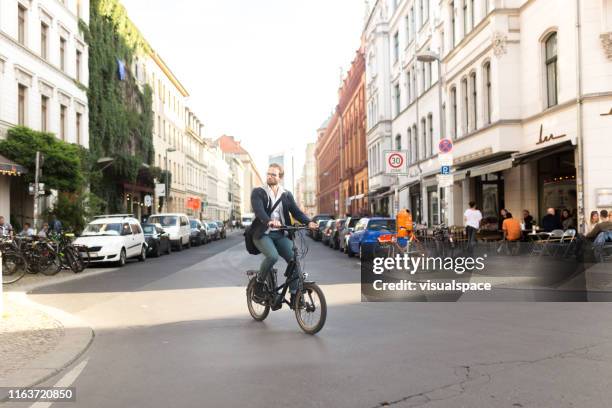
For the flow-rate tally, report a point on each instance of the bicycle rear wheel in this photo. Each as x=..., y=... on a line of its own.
x=14, y=267
x=311, y=310
x=257, y=310
x=48, y=262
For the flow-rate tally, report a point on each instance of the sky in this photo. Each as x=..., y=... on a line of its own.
x=266, y=72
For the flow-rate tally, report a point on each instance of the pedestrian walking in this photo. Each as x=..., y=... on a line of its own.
x=471, y=219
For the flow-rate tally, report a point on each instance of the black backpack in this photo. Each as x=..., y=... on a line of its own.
x=248, y=231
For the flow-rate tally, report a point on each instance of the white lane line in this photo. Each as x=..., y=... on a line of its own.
x=65, y=381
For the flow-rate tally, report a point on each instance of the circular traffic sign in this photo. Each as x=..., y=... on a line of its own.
x=395, y=160
x=445, y=145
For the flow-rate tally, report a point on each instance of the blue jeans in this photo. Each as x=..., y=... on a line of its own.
x=272, y=245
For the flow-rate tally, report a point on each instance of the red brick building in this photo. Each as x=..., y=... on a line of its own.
x=353, y=153
x=327, y=155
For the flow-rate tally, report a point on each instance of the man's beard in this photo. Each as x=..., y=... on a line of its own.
x=272, y=183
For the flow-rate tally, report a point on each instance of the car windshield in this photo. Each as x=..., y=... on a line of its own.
x=353, y=222
x=247, y=219
x=219, y=223
x=212, y=225
x=148, y=229
x=165, y=221
x=102, y=229
x=381, y=225
x=193, y=223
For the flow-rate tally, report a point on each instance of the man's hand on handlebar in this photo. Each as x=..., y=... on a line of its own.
x=312, y=225
x=275, y=224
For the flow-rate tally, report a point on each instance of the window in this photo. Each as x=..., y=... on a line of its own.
x=443, y=122
x=473, y=105
x=21, y=24
x=62, y=53
x=442, y=39
x=464, y=105
x=421, y=12
x=426, y=10
x=408, y=33
x=453, y=118
x=398, y=142
x=415, y=142
x=412, y=156
x=551, y=69
x=44, y=42
x=44, y=111
x=430, y=135
x=486, y=71
x=397, y=99
x=21, y=105
x=422, y=65
x=472, y=13
x=415, y=91
x=412, y=24
x=396, y=47
x=423, y=141
x=409, y=86
x=465, y=18
x=79, y=57
x=428, y=79
x=62, y=122
x=78, y=127
x=453, y=32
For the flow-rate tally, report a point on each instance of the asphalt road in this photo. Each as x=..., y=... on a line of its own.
x=175, y=331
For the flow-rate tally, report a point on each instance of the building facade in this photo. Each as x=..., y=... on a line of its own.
x=353, y=154
x=526, y=99
x=43, y=82
x=328, y=166
x=196, y=167
x=308, y=190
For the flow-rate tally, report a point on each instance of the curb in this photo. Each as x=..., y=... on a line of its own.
x=78, y=336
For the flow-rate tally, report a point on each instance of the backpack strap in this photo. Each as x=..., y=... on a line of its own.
x=276, y=204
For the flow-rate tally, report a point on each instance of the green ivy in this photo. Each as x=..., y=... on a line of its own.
x=120, y=114
x=65, y=165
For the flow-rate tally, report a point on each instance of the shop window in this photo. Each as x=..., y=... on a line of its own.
x=550, y=47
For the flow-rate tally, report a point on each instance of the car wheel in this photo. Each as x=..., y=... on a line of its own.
x=122, y=257
x=188, y=243
x=179, y=246
x=169, y=248
x=143, y=254
x=158, y=250
x=349, y=252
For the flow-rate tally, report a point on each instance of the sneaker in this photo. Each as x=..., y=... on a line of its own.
x=292, y=302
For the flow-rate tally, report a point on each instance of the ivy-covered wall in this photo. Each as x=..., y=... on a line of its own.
x=120, y=114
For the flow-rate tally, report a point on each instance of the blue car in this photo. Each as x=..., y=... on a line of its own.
x=364, y=239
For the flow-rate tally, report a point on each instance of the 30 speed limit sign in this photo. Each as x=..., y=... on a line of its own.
x=396, y=162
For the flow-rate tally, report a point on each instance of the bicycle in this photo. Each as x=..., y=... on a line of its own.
x=14, y=264
x=409, y=245
x=310, y=306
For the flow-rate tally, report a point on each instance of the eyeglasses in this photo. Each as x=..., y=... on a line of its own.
x=273, y=175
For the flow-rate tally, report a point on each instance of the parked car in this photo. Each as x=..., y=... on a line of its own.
x=177, y=225
x=334, y=239
x=247, y=219
x=318, y=233
x=327, y=230
x=198, y=234
x=319, y=217
x=346, y=231
x=213, y=230
x=221, y=226
x=114, y=238
x=158, y=240
x=364, y=239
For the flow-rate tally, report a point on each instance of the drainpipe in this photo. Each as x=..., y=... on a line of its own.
x=580, y=124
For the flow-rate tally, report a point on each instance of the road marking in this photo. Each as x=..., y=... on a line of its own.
x=65, y=381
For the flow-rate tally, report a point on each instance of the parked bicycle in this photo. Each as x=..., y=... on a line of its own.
x=310, y=306
x=14, y=264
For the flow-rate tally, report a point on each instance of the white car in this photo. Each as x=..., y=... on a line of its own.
x=247, y=219
x=175, y=224
x=114, y=238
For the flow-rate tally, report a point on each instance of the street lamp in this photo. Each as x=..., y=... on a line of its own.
x=167, y=193
x=430, y=56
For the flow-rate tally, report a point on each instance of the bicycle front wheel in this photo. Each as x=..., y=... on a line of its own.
x=257, y=310
x=14, y=267
x=311, y=308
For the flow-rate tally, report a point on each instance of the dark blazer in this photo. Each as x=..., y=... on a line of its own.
x=262, y=205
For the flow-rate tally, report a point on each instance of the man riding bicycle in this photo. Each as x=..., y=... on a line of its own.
x=273, y=207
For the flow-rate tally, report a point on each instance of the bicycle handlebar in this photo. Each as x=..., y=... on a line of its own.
x=292, y=228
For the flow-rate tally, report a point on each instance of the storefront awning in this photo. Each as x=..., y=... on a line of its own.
x=483, y=169
x=538, y=154
x=9, y=167
x=378, y=191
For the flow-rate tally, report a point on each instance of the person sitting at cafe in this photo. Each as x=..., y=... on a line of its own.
x=27, y=231
x=593, y=220
x=44, y=231
x=527, y=220
x=511, y=227
x=604, y=225
x=567, y=220
x=550, y=221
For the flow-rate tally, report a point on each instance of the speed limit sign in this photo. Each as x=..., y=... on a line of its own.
x=396, y=162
